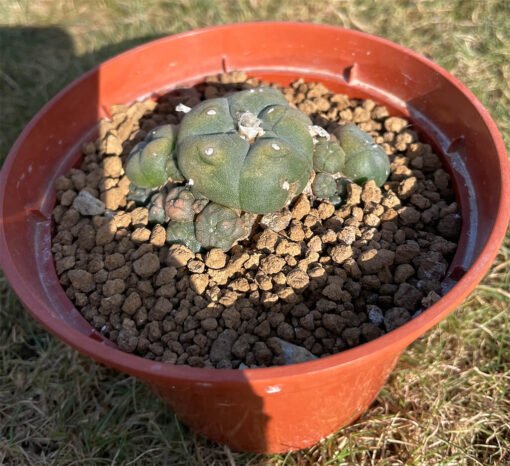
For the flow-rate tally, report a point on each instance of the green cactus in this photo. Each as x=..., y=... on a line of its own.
x=364, y=159
x=244, y=154
x=336, y=200
x=249, y=151
x=183, y=233
x=324, y=186
x=218, y=226
x=139, y=195
x=152, y=162
x=328, y=157
x=181, y=205
x=340, y=192
x=156, y=206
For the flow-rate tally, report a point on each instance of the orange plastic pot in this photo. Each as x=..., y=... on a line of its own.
x=282, y=408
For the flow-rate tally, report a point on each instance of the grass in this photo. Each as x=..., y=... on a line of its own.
x=448, y=401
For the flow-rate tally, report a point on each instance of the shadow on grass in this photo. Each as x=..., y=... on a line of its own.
x=36, y=63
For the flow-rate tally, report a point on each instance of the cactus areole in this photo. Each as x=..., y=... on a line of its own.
x=251, y=152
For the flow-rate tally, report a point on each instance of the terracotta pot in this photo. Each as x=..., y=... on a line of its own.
x=281, y=408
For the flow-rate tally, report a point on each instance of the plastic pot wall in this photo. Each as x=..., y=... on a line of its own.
x=282, y=408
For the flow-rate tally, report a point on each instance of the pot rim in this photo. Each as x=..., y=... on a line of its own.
x=395, y=340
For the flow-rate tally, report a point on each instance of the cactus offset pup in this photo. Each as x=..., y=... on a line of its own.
x=246, y=154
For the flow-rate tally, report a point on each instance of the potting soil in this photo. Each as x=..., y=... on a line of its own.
x=319, y=277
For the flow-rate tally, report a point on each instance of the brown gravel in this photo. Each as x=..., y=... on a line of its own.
x=322, y=278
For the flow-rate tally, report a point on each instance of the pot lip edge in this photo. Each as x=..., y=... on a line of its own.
x=393, y=341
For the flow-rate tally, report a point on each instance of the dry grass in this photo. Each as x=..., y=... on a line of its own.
x=447, y=403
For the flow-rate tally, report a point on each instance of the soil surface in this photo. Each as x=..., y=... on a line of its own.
x=319, y=277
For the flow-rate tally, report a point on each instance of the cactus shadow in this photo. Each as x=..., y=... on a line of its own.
x=35, y=64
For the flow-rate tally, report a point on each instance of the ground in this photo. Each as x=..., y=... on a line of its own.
x=448, y=401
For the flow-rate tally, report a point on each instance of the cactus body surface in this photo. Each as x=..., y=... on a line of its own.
x=156, y=207
x=259, y=175
x=328, y=157
x=183, y=233
x=364, y=159
x=324, y=186
x=181, y=205
x=152, y=161
x=220, y=227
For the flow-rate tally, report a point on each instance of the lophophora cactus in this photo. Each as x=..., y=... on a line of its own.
x=249, y=151
x=151, y=162
x=349, y=153
x=219, y=226
x=183, y=233
x=364, y=159
x=241, y=155
x=182, y=205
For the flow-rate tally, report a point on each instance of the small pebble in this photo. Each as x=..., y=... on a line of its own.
x=88, y=205
x=293, y=354
x=216, y=259
x=147, y=265
x=276, y=221
x=341, y=253
x=179, y=255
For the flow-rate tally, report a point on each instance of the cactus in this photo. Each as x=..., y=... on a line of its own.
x=139, y=195
x=249, y=151
x=156, y=206
x=152, y=162
x=183, y=233
x=364, y=159
x=244, y=154
x=181, y=205
x=324, y=186
x=218, y=226
x=328, y=157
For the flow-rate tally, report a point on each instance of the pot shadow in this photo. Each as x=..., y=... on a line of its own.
x=36, y=63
